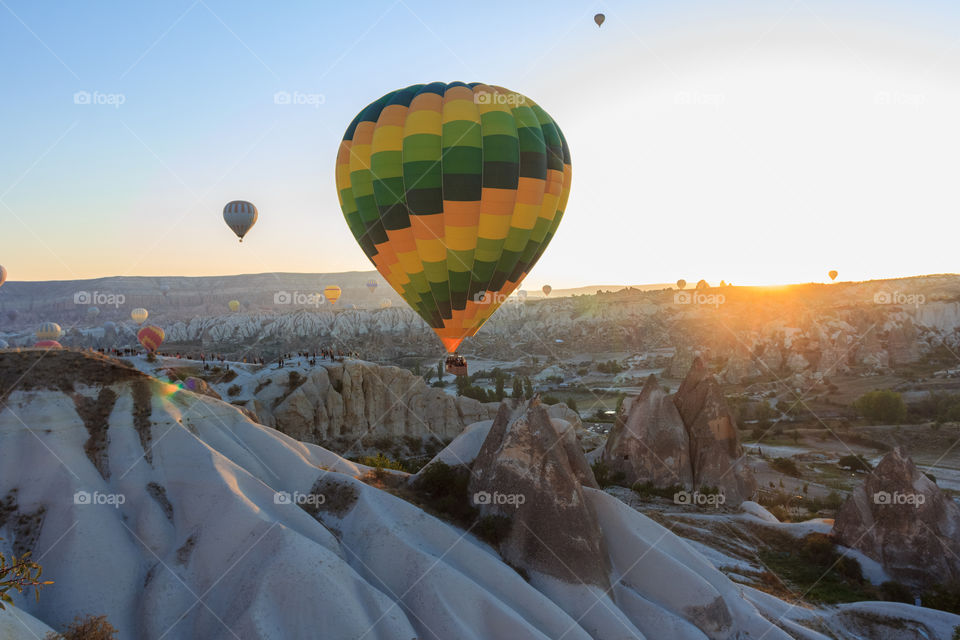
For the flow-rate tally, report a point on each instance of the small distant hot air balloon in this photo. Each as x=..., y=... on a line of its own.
x=240, y=216
x=234, y=305
x=386, y=303
x=151, y=337
x=164, y=289
x=332, y=293
x=139, y=315
x=48, y=344
x=833, y=275
x=371, y=285
x=681, y=284
x=547, y=289
x=93, y=312
x=599, y=18
x=522, y=294
x=49, y=331
x=3, y=275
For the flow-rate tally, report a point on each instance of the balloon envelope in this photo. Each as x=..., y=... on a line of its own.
x=48, y=344
x=386, y=303
x=93, y=312
x=681, y=283
x=240, y=216
x=332, y=293
x=833, y=275
x=49, y=331
x=546, y=289
x=234, y=305
x=139, y=315
x=453, y=190
x=599, y=18
x=151, y=337
x=371, y=285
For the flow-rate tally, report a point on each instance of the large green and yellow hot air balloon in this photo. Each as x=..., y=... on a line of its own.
x=453, y=191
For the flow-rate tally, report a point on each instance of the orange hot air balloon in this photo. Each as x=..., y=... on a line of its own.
x=681, y=284
x=833, y=275
x=547, y=289
x=151, y=337
x=332, y=293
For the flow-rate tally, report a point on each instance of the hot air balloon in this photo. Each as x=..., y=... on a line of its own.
x=444, y=233
x=48, y=344
x=3, y=275
x=151, y=337
x=139, y=315
x=93, y=312
x=522, y=294
x=599, y=18
x=332, y=293
x=49, y=331
x=234, y=305
x=833, y=275
x=546, y=289
x=371, y=285
x=240, y=216
x=164, y=289
x=386, y=303
x=681, y=284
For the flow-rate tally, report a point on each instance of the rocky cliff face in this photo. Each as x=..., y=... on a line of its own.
x=553, y=529
x=900, y=518
x=347, y=403
x=648, y=442
x=716, y=457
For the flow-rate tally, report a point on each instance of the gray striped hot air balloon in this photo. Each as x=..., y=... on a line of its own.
x=240, y=216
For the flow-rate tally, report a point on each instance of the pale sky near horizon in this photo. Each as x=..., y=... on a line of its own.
x=757, y=142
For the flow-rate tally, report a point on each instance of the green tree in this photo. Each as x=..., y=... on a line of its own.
x=882, y=406
x=527, y=388
x=500, y=379
x=440, y=371
x=517, y=387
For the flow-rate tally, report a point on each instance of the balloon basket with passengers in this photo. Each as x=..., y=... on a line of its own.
x=453, y=190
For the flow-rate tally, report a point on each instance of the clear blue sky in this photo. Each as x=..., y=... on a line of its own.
x=752, y=141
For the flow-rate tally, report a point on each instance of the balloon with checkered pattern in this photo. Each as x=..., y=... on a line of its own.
x=453, y=191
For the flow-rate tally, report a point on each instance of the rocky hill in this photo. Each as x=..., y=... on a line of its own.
x=176, y=516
